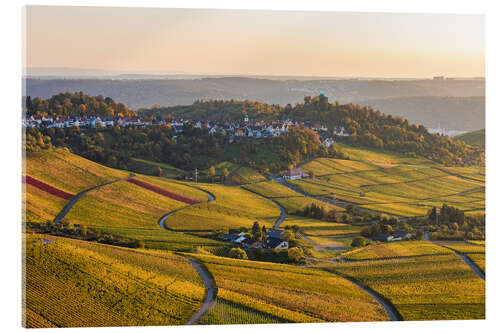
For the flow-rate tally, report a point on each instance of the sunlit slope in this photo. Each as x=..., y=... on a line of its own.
x=439, y=287
x=289, y=199
x=128, y=210
x=282, y=293
x=233, y=208
x=74, y=283
x=62, y=170
x=394, y=184
x=68, y=171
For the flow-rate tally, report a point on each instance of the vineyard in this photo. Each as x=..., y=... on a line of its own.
x=393, y=184
x=396, y=250
x=108, y=286
x=289, y=199
x=233, y=208
x=289, y=293
x=68, y=172
x=425, y=288
x=127, y=210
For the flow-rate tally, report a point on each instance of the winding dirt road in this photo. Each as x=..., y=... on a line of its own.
x=208, y=280
x=77, y=197
x=464, y=257
x=210, y=291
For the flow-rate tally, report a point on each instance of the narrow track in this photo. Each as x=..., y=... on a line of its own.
x=208, y=280
x=462, y=256
x=77, y=197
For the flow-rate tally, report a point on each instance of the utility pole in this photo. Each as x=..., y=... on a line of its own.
x=196, y=175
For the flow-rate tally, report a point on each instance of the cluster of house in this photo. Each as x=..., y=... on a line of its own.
x=396, y=235
x=232, y=129
x=274, y=240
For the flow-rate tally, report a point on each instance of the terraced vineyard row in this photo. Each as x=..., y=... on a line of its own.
x=425, y=288
x=290, y=293
x=394, y=184
x=109, y=286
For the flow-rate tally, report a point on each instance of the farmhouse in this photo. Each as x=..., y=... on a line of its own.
x=295, y=174
x=276, y=243
x=274, y=240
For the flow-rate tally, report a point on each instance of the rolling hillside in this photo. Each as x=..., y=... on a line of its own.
x=386, y=182
x=473, y=138
x=108, y=286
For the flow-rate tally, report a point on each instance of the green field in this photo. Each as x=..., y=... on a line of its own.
x=71, y=283
x=285, y=293
x=151, y=167
x=424, y=288
x=473, y=138
x=233, y=208
x=399, y=249
x=246, y=175
x=394, y=184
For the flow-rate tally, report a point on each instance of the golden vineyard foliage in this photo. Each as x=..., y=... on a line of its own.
x=71, y=283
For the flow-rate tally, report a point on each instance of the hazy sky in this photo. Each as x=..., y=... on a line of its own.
x=256, y=42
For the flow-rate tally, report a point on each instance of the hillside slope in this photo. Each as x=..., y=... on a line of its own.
x=473, y=138
x=71, y=283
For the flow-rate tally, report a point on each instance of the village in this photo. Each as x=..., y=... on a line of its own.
x=233, y=130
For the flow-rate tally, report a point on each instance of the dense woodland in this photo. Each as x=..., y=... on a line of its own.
x=76, y=104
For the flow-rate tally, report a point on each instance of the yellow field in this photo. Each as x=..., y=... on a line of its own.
x=396, y=250
x=291, y=293
x=425, y=288
x=394, y=184
x=69, y=172
x=72, y=283
x=233, y=208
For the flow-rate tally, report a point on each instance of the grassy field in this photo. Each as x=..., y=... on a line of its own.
x=67, y=171
x=71, y=283
x=284, y=293
x=289, y=199
x=473, y=138
x=479, y=260
x=151, y=167
x=424, y=288
x=396, y=250
x=128, y=210
x=233, y=208
x=394, y=184
x=246, y=175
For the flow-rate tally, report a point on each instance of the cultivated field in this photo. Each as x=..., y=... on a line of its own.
x=396, y=250
x=233, y=208
x=289, y=199
x=67, y=171
x=423, y=288
x=128, y=210
x=71, y=283
x=394, y=184
x=284, y=293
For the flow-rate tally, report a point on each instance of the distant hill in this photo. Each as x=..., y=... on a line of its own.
x=473, y=138
x=452, y=113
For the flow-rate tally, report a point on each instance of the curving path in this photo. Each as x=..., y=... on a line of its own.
x=210, y=291
x=283, y=213
x=386, y=304
x=77, y=197
x=208, y=280
x=464, y=257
